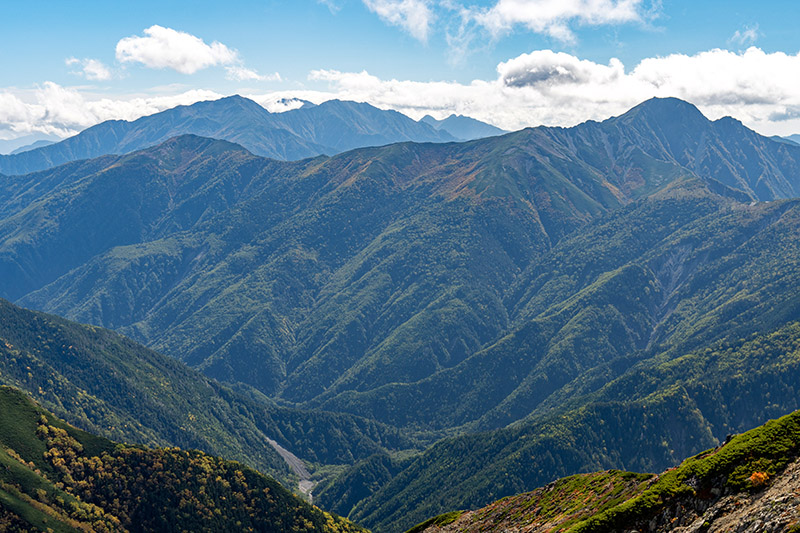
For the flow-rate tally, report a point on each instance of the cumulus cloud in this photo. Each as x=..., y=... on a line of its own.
x=543, y=69
x=91, y=69
x=180, y=51
x=539, y=88
x=57, y=110
x=414, y=16
x=555, y=17
x=552, y=88
x=167, y=48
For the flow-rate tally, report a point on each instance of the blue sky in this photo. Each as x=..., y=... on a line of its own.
x=67, y=65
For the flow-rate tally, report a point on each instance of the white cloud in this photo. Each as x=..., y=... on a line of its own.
x=551, y=88
x=62, y=111
x=240, y=73
x=745, y=37
x=414, y=16
x=555, y=17
x=91, y=69
x=330, y=4
x=180, y=51
x=539, y=88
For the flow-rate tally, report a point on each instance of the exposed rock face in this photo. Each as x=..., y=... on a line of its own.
x=777, y=508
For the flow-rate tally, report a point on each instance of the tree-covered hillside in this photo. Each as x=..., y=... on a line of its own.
x=655, y=413
x=54, y=477
x=112, y=386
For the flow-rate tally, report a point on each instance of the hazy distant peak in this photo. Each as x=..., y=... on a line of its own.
x=462, y=127
x=795, y=139
x=32, y=146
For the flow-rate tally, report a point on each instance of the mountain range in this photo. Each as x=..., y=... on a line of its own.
x=551, y=301
x=311, y=130
x=113, y=387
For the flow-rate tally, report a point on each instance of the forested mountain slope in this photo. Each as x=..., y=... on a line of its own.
x=54, y=477
x=112, y=386
x=647, y=419
x=326, y=277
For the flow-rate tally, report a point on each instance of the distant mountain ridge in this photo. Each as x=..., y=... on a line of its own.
x=25, y=141
x=793, y=138
x=463, y=128
x=311, y=130
x=32, y=146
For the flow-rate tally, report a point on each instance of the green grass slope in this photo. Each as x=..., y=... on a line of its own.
x=54, y=477
x=704, y=490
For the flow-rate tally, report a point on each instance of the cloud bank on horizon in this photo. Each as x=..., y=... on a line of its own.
x=537, y=88
x=540, y=87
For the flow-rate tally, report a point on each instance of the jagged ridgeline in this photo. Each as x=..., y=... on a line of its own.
x=750, y=482
x=311, y=130
x=54, y=477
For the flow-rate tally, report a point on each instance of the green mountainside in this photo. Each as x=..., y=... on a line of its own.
x=750, y=481
x=54, y=477
x=554, y=301
x=652, y=415
x=112, y=386
x=337, y=276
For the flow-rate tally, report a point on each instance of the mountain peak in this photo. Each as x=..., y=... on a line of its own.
x=229, y=102
x=666, y=109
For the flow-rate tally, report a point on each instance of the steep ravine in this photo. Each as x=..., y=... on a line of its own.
x=305, y=485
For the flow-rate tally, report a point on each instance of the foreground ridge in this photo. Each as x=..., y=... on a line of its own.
x=753, y=480
x=55, y=477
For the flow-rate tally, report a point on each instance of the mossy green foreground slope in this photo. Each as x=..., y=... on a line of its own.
x=752, y=481
x=54, y=477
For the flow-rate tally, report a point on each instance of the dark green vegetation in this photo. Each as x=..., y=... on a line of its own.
x=622, y=501
x=55, y=476
x=579, y=296
x=328, y=128
x=655, y=413
x=112, y=386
